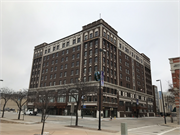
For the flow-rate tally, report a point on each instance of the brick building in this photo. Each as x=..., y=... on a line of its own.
x=175, y=71
x=127, y=72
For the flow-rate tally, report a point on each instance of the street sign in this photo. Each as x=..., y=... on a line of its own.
x=102, y=78
x=84, y=106
x=97, y=76
x=137, y=102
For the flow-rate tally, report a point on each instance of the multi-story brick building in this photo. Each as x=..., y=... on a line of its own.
x=127, y=72
x=175, y=71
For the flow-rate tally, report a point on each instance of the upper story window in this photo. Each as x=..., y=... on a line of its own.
x=77, y=55
x=111, y=39
x=73, y=49
x=54, y=48
x=45, y=51
x=107, y=36
x=78, y=47
x=67, y=51
x=67, y=44
x=74, y=41
x=63, y=45
x=90, y=45
x=119, y=45
x=85, y=37
x=96, y=42
x=126, y=50
x=63, y=52
x=104, y=34
x=96, y=33
x=85, y=46
x=48, y=50
x=57, y=47
x=79, y=40
x=91, y=35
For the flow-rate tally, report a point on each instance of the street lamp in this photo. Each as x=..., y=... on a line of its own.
x=162, y=101
x=101, y=50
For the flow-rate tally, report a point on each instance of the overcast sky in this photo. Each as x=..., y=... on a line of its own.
x=151, y=28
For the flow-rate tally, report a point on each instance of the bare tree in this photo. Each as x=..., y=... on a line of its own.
x=20, y=98
x=76, y=91
x=44, y=102
x=5, y=94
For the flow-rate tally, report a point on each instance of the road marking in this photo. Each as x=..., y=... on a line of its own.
x=141, y=127
x=168, y=131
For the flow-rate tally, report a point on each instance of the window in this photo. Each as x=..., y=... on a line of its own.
x=46, y=70
x=63, y=45
x=54, y=83
x=67, y=44
x=60, y=82
x=120, y=68
x=45, y=51
x=79, y=39
x=84, y=79
x=85, y=54
x=65, y=74
x=48, y=50
x=61, y=99
x=85, y=46
x=96, y=51
x=54, y=48
x=120, y=60
x=96, y=33
x=90, y=45
x=90, y=35
x=64, y=81
x=90, y=69
x=78, y=47
x=63, y=52
x=73, y=49
x=47, y=63
x=50, y=76
x=72, y=64
x=61, y=67
x=56, y=61
x=67, y=51
x=61, y=74
x=96, y=42
x=96, y=60
x=84, y=70
x=95, y=68
x=71, y=80
x=77, y=55
x=74, y=41
x=51, y=69
x=50, y=84
x=104, y=34
x=107, y=36
x=66, y=58
x=72, y=72
x=53, y=62
x=57, y=47
x=45, y=77
x=62, y=59
x=85, y=37
x=77, y=71
x=90, y=52
x=65, y=66
x=89, y=78
x=85, y=62
x=77, y=63
x=120, y=76
x=90, y=61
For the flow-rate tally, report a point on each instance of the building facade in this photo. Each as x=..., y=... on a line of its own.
x=156, y=100
x=127, y=73
x=175, y=72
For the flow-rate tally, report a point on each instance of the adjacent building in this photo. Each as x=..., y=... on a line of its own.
x=156, y=100
x=175, y=71
x=127, y=73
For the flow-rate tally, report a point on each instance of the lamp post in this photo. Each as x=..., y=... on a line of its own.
x=162, y=101
x=101, y=50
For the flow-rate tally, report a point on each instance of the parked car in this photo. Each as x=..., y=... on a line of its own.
x=30, y=112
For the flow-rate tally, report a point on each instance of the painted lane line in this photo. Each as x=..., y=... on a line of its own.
x=168, y=131
x=141, y=127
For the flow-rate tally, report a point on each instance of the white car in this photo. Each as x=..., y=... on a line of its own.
x=29, y=112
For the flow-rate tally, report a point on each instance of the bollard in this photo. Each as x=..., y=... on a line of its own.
x=124, y=129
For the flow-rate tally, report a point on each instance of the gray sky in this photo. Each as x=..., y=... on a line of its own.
x=151, y=27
